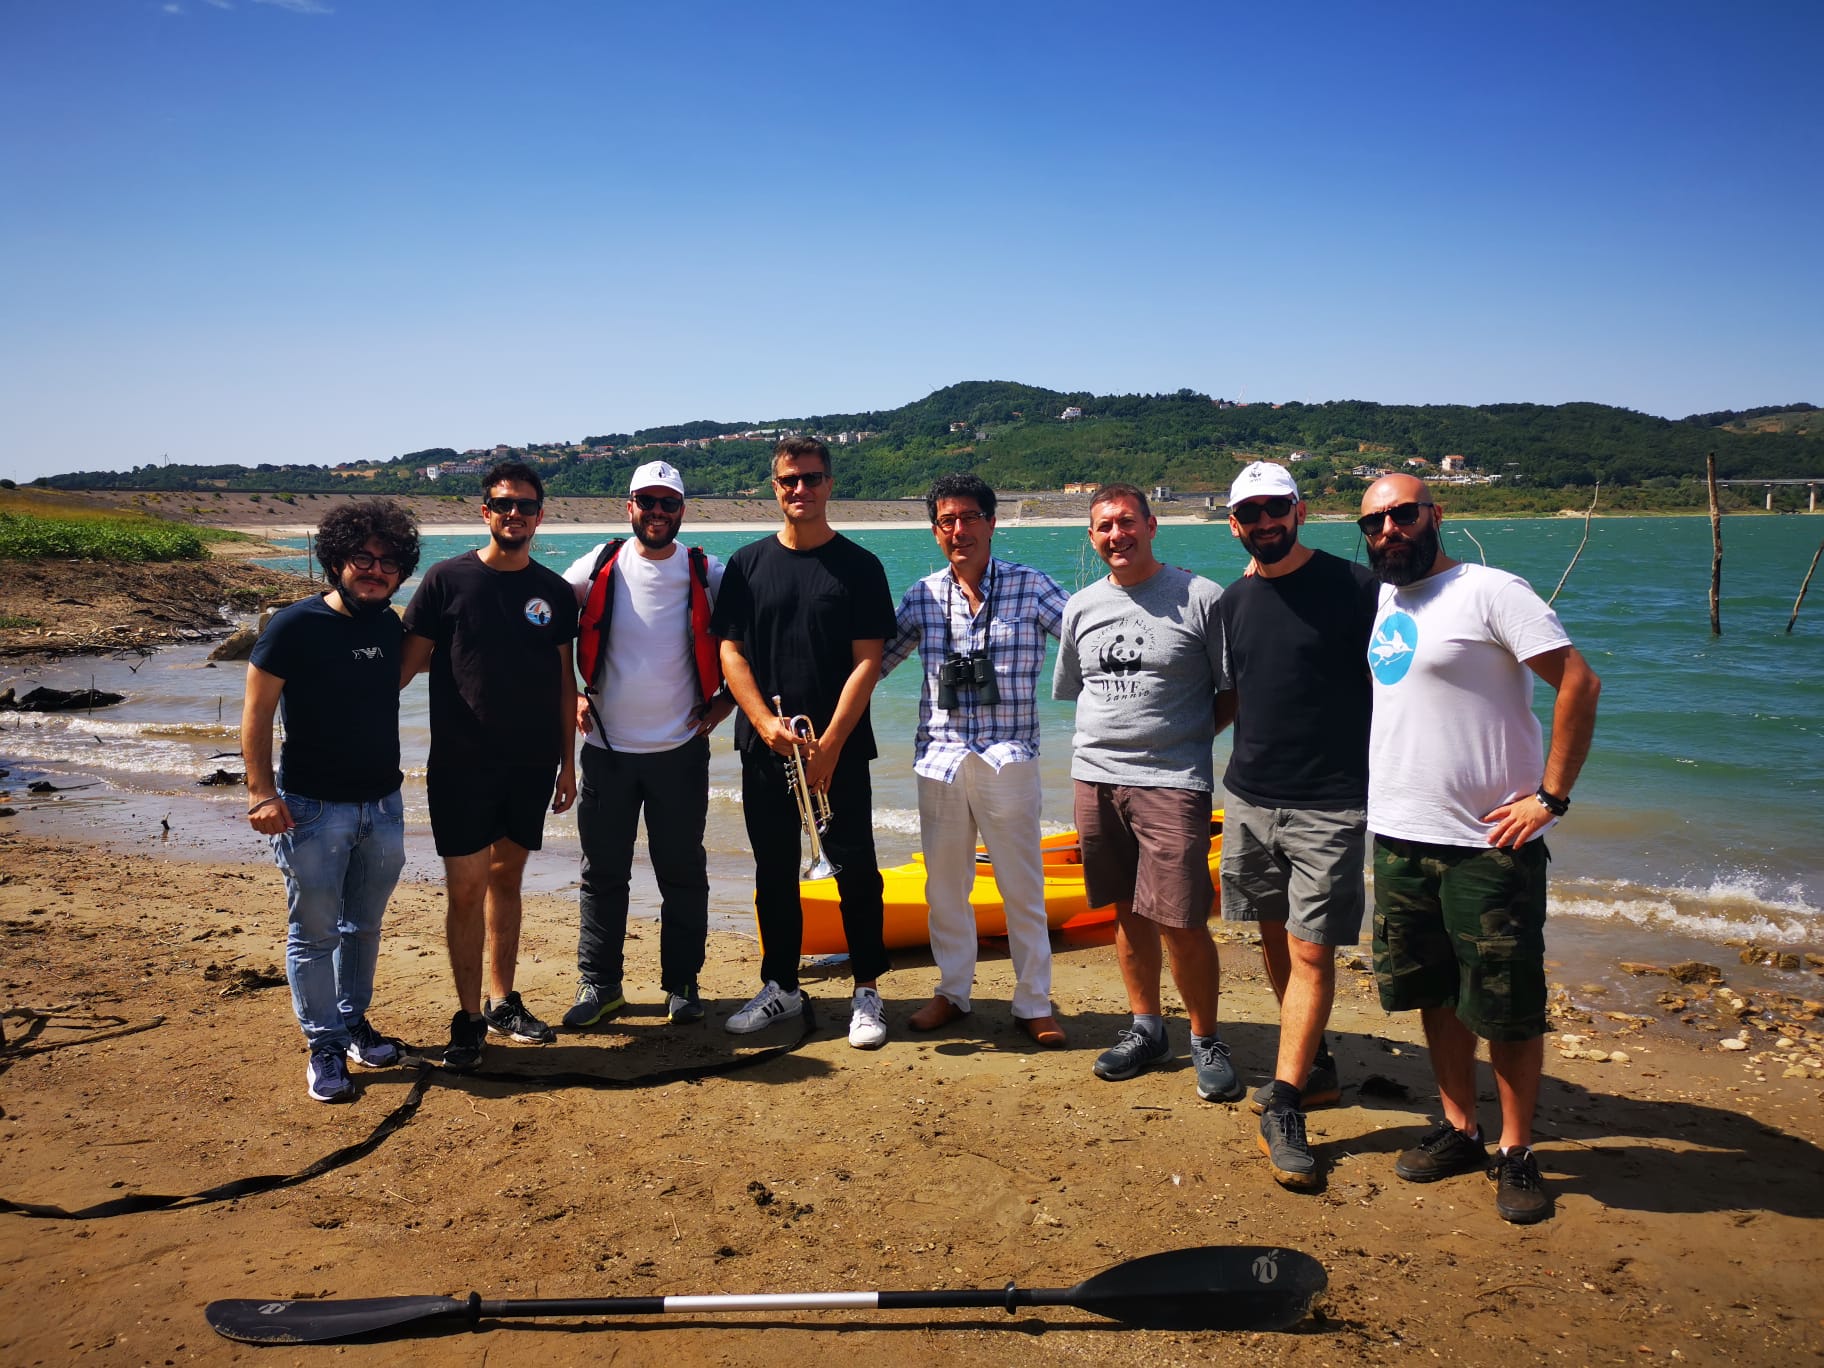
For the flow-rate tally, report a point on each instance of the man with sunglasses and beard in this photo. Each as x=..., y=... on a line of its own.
x=1294, y=827
x=495, y=627
x=1459, y=795
x=804, y=616
x=652, y=694
x=334, y=814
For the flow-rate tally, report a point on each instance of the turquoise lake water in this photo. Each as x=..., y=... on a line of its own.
x=1696, y=819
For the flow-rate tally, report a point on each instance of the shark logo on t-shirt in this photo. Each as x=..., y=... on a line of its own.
x=1396, y=637
x=538, y=612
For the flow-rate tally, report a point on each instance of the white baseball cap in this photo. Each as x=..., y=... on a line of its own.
x=1261, y=480
x=661, y=473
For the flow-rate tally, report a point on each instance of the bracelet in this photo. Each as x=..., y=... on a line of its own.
x=1552, y=803
x=264, y=802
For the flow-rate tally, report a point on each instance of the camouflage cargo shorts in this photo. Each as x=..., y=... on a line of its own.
x=1456, y=926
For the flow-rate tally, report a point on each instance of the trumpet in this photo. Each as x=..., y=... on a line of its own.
x=813, y=808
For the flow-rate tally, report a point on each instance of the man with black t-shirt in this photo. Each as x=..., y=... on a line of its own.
x=334, y=815
x=1294, y=829
x=495, y=628
x=804, y=616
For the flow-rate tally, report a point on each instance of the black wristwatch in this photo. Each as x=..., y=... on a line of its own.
x=1552, y=803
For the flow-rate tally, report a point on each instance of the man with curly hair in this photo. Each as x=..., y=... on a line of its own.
x=329, y=665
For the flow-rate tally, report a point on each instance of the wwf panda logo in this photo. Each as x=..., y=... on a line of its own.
x=1121, y=654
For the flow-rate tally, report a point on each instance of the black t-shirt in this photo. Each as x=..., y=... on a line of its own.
x=797, y=615
x=1298, y=652
x=340, y=703
x=496, y=675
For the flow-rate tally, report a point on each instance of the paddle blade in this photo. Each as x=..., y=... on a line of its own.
x=307, y=1322
x=1216, y=1287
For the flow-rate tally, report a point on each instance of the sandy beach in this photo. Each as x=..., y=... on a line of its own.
x=150, y=1050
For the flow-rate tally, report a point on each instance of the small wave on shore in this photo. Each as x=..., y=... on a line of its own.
x=1736, y=905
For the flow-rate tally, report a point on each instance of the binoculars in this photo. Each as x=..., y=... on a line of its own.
x=967, y=670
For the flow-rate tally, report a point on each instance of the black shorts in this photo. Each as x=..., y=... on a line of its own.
x=472, y=808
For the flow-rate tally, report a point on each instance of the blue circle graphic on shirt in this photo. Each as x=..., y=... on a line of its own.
x=1390, y=651
x=538, y=612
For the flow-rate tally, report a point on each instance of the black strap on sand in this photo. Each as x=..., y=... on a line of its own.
x=396, y=1120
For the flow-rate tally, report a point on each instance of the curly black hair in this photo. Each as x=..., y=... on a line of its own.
x=960, y=486
x=350, y=527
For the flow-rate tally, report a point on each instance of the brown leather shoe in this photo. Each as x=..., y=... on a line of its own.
x=1044, y=1031
x=940, y=1011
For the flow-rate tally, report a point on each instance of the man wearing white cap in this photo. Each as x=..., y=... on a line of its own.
x=652, y=693
x=1294, y=829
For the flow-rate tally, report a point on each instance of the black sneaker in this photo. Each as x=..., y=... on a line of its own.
x=509, y=1018
x=1520, y=1196
x=685, y=1008
x=371, y=1050
x=1442, y=1152
x=1130, y=1055
x=1322, y=1088
x=594, y=1001
x=1282, y=1140
x=467, y=1038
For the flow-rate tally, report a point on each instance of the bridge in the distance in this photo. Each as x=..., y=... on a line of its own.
x=1811, y=483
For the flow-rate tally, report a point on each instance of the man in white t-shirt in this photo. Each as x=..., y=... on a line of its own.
x=652, y=693
x=1459, y=792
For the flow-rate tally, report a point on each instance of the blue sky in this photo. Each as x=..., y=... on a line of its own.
x=247, y=230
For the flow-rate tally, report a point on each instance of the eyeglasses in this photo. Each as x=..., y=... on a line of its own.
x=1247, y=514
x=810, y=479
x=526, y=508
x=949, y=522
x=670, y=503
x=361, y=560
x=1403, y=515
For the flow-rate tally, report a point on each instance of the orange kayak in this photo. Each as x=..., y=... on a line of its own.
x=906, y=913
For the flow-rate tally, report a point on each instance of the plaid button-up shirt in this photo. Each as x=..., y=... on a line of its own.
x=1022, y=607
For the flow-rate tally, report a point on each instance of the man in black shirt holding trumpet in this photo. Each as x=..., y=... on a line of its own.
x=803, y=616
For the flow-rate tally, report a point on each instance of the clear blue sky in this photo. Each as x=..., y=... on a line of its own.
x=283, y=230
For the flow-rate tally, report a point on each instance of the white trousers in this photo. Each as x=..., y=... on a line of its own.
x=1003, y=805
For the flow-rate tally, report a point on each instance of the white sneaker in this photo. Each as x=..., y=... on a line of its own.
x=868, y=1021
x=772, y=1003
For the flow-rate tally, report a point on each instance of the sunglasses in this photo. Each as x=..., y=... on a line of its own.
x=1403, y=515
x=949, y=522
x=669, y=503
x=810, y=479
x=1247, y=514
x=526, y=508
x=361, y=560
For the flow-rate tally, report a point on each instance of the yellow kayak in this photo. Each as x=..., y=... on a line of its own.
x=906, y=914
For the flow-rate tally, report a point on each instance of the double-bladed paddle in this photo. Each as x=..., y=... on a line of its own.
x=1216, y=1287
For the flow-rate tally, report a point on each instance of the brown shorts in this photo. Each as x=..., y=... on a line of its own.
x=1149, y=847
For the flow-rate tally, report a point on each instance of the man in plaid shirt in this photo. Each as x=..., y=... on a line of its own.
x=979, y=627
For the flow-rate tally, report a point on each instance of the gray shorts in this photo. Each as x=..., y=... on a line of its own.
x=1149, y=847
x=1302, y=866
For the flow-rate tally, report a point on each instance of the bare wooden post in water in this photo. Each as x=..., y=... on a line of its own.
x=1798, y=602
x=1716, y=553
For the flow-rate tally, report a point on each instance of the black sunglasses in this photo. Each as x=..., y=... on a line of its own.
x=1403, y=515
x=810, y=479
x=361, y=560
x=526, y=508
x=1247, y=514
x=670, y=503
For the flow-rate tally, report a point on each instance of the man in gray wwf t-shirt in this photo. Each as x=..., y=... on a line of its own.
x=1141, y=652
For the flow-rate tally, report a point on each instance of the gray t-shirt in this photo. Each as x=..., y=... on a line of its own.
x=1144, y=665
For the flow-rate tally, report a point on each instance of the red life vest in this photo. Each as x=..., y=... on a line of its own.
x=598, y=609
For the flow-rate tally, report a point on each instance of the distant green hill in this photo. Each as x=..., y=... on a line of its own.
x=1018, y=437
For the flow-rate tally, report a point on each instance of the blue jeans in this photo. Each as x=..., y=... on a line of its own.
x=340, y=862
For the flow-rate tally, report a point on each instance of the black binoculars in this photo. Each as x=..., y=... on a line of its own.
x=967, y=670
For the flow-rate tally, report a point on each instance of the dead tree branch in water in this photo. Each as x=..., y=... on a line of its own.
x=1587, y=514
x=1799, y=602
x=1716, y=552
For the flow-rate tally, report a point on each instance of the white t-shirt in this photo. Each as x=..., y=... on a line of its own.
x=646, y=681
x=1454, y=735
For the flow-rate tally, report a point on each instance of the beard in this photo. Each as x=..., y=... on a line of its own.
x=506, y=542
x=1271, y=552
x=655, y=541
x=1405, y=562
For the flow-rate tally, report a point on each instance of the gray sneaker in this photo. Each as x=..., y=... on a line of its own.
x=594, y=1001
x=1321, y=1089
x=1282, y=1140
x=1131, y=1054
x=1216, y=1080
x=685, y=1008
